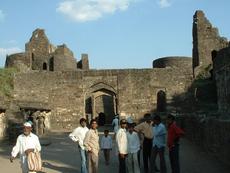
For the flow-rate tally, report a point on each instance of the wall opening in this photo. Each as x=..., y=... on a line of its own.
x=161, y=101
x=44, y=67
x=51, y=64
x=101, y=104
x=32, y=57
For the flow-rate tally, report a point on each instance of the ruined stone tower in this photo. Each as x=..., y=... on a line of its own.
x=206, y=39
x=41, y=55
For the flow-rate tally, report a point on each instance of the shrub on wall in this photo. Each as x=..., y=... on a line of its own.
x=6, y=81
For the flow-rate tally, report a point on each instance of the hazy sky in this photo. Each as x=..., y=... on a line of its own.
x=115, y=33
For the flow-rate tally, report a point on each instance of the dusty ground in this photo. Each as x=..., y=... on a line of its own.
x=62, y=156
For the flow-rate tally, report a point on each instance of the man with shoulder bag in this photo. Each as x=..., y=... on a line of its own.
x=28, y=146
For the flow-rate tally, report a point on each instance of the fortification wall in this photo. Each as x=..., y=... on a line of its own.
x=209, y=133
x=221, y=69
x=65, y=93
x=183, y=63
x=19, y=61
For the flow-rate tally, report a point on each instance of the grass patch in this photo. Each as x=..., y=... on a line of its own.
x=6, y=81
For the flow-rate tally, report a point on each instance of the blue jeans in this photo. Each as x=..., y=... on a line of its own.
x=83, y=160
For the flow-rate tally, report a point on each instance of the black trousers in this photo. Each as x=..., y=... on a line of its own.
x=122, y=164
x=147, y=147
x=174, y=159
x=161, y=152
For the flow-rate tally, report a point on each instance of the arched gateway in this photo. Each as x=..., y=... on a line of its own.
x=101, y=99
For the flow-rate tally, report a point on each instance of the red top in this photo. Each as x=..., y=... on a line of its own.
x=174, y=133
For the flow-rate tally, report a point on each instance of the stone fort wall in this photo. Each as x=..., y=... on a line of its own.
x=221, y=69
x=211, y=134
x=65, y=93
x=180, y=62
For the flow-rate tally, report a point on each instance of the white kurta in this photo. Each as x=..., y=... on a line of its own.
x=122, y=141
x=23, y=143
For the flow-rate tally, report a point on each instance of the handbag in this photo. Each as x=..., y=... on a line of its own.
x=34, y=161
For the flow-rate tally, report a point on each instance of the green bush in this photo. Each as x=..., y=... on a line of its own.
x=6, y=81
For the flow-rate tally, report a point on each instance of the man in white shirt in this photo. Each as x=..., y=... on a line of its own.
x=26, y=143
x=133, y=148
x=78, y=135
x=122, y=144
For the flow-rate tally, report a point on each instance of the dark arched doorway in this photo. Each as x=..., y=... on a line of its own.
x=101, y=104
x=161, y=101
x=44, y=66
x=51, y=64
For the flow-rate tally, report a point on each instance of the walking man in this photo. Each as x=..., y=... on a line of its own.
x=26, y=143
x=146, y=129
x=122, y=144
x=91, y=143
x=159, y=143
x=106, y=146
x=78, y=135
x=174, y=134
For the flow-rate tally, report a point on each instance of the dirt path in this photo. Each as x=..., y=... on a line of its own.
x=62, y=156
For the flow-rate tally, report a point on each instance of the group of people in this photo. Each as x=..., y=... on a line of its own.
x=148, y=136
x=152, y=132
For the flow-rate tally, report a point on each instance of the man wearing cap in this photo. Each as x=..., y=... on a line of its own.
x=26, y=143
x=145, y=128
x=122, y=144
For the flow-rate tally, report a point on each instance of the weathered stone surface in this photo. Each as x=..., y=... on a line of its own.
x=221, y=70
x=210, y=133
x=41, y=55
x=84, y=62
x=183, y=63
x=65, y=93
x=205, y=40
x=2, y=124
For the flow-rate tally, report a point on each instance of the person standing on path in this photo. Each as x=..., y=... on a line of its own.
x=174, y=134
x=78, y=135
x=133, y=148
x=115, y=124
x=91, y=143
x=26, y=143
x=159, y=143
x=146, y=129
x=106, y=146
x=122, y=144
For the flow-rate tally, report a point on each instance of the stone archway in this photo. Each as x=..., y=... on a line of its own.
x=101, y=100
